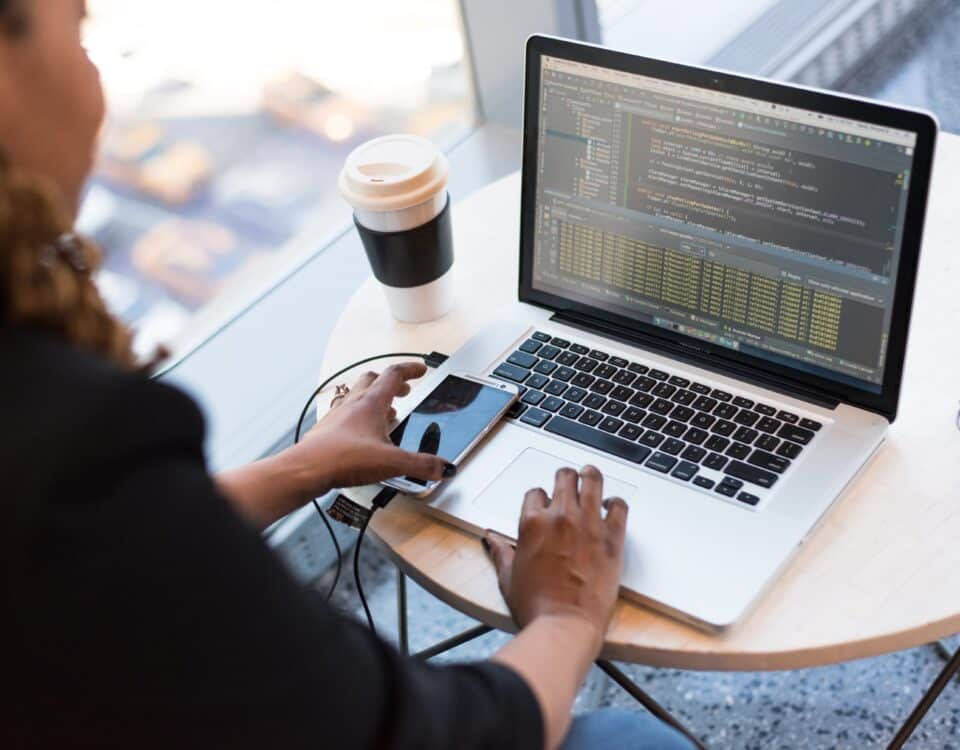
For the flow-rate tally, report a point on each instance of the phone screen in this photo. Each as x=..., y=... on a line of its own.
x=448, y=420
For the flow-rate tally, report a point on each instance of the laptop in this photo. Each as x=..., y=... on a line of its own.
x=715, y=282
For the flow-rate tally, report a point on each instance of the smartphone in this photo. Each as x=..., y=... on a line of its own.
x=449, y=422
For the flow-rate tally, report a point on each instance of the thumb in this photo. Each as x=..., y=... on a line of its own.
x=425, y=466
x=501, y=553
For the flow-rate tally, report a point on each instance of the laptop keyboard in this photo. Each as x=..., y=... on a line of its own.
x=652, y=417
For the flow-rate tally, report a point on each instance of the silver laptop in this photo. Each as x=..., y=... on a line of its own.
x=715, y=282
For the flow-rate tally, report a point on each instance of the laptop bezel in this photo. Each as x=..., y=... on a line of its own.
x=921, y=123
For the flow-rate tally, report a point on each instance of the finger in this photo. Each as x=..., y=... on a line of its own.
x=423, y=466
x=591, y=490
x=393, y=380
x=501, y=553
x=534, y=501
x=616, y=520
x=565, y=494
x=364, y=382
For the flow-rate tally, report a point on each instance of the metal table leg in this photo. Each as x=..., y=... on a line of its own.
x=647, y=702
x=402, y=636
x=926, y=702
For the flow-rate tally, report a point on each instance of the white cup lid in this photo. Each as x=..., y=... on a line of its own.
x=392, y=173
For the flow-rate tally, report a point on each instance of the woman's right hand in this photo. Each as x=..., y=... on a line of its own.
x=568, y=557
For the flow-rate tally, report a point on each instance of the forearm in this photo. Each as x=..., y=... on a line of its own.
x=266, y=490
x=553, y=654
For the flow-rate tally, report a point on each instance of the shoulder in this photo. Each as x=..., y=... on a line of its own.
x=69, y=413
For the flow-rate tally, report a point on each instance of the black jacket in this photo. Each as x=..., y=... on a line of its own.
x=139, y=610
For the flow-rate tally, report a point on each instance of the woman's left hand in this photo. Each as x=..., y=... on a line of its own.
x=350, y=445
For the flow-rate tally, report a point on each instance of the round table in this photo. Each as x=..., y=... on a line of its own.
x=882, y=573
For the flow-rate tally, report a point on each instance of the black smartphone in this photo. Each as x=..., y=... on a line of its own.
x=449, y=422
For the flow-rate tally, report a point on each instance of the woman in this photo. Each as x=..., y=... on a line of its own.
x=141, y=606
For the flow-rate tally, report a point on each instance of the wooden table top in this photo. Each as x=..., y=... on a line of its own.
x=882, y=573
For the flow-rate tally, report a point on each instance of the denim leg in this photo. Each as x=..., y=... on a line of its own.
x=619, y=729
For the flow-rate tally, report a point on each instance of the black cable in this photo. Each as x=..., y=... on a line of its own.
x=434, y=359
x=356, y=572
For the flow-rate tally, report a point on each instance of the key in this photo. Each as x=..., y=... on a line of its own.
x=786, y=416
x=725, y=411
x=661, y=406
x=512, y=373
x=533, y=397
x=717, y=444
x=548, y=352
x=675, y=429
x=630, y=432
x=571, y=411
x=704, y=482
x=693, y=453
x=602, y=386
x=700, y=388
x=541, y=336
x=565, y=374
x=743, y=403
x=703, y=421
x=661, y=462
x=672, y=446
x=726, y=489
x=598, y=355
x=789, y=450
x=796, y=434
x=724, y=428
x=665, y=390
x=634, y=414
x=748, y=418
x=522, y=359
x=624, y=377
x=638, y=368
x=591, y=418
x=684, y=397
x=620, y=393
x=658, y=374
x=599, y=440
x=618, y=362
x=767, y=411
x=767, y=443
x=611, y=424
x=568, y=359
x=767, y=424
x=685, y=471
x=696, y=436
x=575, y=394
x=559, y=342
x=545, y=367
x=705, y=403
x=641, y=400
x=738, y=450
x=605, y=371
x=579, y=349
x=682, y=413
x=654, y=421
x=614, y=408
x=768, y=461
x=516, y=410
x=745, y=435
x=715, y=461
x=537, y=381
x=594, y=401
x=530, y=345
x=586, y=364
x=644, y=383
x=536, y=417
x=583, y=380
x=555, y=387
x=651, y=438
x=552, y=404
x=752, y=474
x=720, y=395
x=679, y=382
x=746, y=497
x=809, y=424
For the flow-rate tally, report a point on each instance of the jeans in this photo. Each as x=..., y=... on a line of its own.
x=619, y=729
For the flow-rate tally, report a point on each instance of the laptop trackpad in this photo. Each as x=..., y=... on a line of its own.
x=502, y=499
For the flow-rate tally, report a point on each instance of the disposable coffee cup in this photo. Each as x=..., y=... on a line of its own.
x=397, y=186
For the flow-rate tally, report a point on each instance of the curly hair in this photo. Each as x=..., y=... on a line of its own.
x=46, y=271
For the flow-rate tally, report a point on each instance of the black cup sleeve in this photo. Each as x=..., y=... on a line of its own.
x=412, y=257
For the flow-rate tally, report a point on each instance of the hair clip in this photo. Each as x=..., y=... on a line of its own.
x=67, y=249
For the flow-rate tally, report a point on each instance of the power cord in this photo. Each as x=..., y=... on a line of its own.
x=433, y=360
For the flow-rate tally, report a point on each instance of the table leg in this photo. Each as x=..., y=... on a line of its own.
x=402, y=636
x=647, y=702
x=926, y=702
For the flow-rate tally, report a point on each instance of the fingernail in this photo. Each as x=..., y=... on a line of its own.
x=449, y=470
x=485, y=543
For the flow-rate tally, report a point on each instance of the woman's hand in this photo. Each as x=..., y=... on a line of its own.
x=568, y=558
x=348, y=447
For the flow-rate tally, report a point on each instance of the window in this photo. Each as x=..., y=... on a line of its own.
x=228, y=125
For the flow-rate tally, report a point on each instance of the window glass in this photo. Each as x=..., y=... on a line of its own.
x=228, y=125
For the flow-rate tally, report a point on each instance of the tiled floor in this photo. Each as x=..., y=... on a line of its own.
x=853, y=706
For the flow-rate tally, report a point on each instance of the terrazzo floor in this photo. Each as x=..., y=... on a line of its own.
x=853, y=706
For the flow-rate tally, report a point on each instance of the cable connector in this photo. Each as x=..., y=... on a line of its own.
x=435, y=359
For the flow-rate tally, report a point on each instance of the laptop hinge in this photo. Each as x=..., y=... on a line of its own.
x=694, y=355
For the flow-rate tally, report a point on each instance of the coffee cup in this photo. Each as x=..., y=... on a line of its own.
x=397, y=186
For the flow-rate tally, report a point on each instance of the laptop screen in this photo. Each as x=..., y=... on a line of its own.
x=770, y=230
